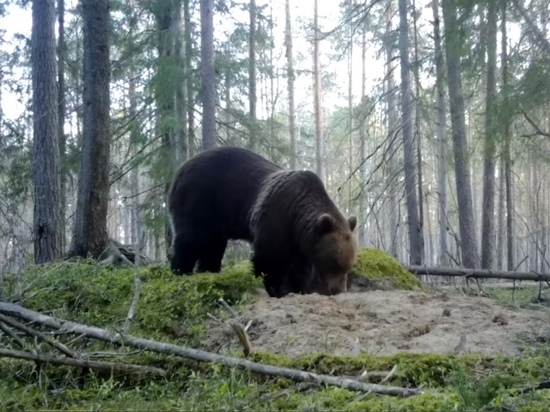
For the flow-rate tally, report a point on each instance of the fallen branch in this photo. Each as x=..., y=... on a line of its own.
x=198, y=355
x=31, y=332
x=8, y=332
x=97, y=365
x=239, y=330
x=478, y=273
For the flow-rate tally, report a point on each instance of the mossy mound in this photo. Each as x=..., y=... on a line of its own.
x=376, y=269
x=169, y=306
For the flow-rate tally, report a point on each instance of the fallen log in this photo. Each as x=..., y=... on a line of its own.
x=104, y=335
x=478, y=273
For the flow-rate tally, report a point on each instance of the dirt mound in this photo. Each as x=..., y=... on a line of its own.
x=383, y=322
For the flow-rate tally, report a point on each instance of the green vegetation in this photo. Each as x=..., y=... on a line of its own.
x=383, y=270
x=175, y=308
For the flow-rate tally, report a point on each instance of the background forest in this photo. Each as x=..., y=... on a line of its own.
x=428, y=120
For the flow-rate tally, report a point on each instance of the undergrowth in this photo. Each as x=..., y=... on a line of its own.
x=175, y=308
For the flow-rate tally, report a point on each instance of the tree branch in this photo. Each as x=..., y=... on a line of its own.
x=199, y=355
x=98, y=365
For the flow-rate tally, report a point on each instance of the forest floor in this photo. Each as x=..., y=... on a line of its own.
x=385, y=322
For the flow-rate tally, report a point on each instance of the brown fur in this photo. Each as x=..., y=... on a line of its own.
x=301, y=242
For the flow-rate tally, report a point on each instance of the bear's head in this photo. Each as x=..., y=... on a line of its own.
x=334, y=252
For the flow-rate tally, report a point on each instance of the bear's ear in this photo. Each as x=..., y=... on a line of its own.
x=352, y=220
x=325, y=223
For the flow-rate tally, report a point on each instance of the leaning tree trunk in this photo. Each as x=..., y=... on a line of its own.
x=47, y=221
x=415, y=231
x=208, y=77
x=470, y=257
x=90, y=234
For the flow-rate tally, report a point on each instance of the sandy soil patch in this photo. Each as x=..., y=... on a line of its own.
x=384, y=322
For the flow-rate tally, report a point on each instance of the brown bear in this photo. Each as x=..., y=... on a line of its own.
x=301, y=242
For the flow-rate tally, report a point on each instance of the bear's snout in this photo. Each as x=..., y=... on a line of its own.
x=337, y=284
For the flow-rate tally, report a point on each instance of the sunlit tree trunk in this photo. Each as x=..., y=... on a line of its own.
x=48, y=220
x=470, y=257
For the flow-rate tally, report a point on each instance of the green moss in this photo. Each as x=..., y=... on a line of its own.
x=383, y=270
x=169, y=306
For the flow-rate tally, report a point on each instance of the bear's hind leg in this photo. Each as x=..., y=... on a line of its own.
x=185, y=254
x=211, y=256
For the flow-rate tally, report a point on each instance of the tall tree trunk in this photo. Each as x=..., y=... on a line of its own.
x=90, y=234
x=319, y=138
x=166, y=87
x=470, y=257
x=208, y=76
x=47, y=220
x=252, y=75
x=290, y=85
x=507, y=138
x=418, y=136
x=415, y=237
x=488, y=210
x=350, y=114
x=392, y=140
x=501, y=244
x=189, y=79
x=180, y=138
x=61, y=55
x=441, y=133
x=363, y=138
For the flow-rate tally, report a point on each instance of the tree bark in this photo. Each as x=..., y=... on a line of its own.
x=363, y=137
x=190, y=100
x=392, y=140
x=319, y=138
x=47, y=218
x=488, y=210
x=208, y=77
x=90, y=234
x=415, y=242
x=453, y=40
x=61, y=55
x=252, y=98
x=290, y=85
x=441, y=133
x=418, y=138
x=507, y=139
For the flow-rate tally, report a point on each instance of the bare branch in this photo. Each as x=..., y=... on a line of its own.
x=199, y=355
x=98, y=365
